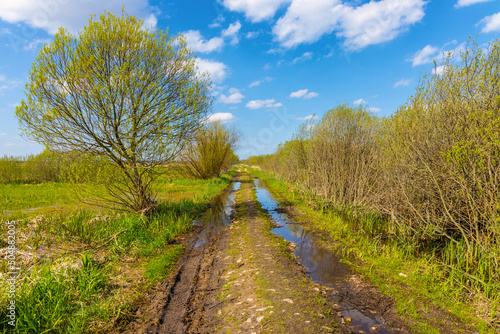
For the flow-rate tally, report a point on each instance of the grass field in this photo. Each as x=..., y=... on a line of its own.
x=82, y=269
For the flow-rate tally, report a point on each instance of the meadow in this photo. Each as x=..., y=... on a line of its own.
x=82, y=268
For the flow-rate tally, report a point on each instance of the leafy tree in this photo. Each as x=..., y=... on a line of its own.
x=211, y=151
x=128, y=94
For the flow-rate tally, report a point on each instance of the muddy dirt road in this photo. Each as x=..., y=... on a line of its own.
x=238, y=276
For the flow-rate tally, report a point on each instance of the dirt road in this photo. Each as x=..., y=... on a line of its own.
x=241, y=278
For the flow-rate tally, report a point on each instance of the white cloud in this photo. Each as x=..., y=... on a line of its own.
x=218, y=71
x=465, y=3
x=266, y=66
x=440, y=70
x=258, y=82
x=307, y=118
x=34, y=44
x=4, y=31
x=374, y=109
x=252, y=34
x=232, y=32
x=360, y=102
x=234, y=97
x=223, y=117
x=378, y=22
x=2, y=77
x=72, y=15
x=217, y=22
x=430, y=53
x=255, y=10
x=3, y=133
x=304, y=94
x=490, y=23
x=424, y=56
x=305, y=56
x=199, y=44
x=370, y=23
x=257, y=104
x=402, y=82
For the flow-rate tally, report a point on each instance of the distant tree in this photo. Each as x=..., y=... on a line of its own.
x=211, y=151
x=128, y=94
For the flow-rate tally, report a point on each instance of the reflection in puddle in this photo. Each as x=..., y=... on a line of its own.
x=322, y=263
x=217, y=216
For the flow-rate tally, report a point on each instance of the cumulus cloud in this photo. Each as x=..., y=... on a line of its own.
x=490, y=23
x=255, y=10
x=439, y=70
x=424, y=55
x=307, y=118
x=370, y=23
x=303, y=93
x=217, y=71
x=199, y=44
x=402, y=82
x=359, y=102
x=223, y=117
x=32, y=45
x=430, y=53
x=258, y=82
x=465, y=3
x=234, y=96
x=305, y=56
x=374, y=109
x=252, y=34
x=232, y=32
x=258, y=104
x=72, y=15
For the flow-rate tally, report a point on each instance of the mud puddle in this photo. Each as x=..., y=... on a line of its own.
x=322, y=264
x=218, y=215
x=186, y=302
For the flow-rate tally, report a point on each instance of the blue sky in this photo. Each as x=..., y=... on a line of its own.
x=273, y=63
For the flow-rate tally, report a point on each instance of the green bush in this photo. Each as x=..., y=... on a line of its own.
x=211, y=152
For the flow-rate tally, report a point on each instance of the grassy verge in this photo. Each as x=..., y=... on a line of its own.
x=426, y=293
x=83, y=271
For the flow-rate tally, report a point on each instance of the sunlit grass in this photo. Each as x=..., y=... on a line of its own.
x=415, y=278
x=84, y=269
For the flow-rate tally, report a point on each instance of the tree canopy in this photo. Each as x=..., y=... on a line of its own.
x=118, y=90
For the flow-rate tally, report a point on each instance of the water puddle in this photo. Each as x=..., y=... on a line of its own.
x=217, y=216
x=322, y=264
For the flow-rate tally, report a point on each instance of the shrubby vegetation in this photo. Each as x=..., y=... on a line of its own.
x=431, y=170
x=210, y=153
x=50, y=166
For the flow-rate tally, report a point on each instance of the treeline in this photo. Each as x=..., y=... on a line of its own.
x=49, y=166
x=208, y=154
x=431, y=170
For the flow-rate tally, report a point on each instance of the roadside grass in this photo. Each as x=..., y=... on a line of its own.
x=424, y=289
x=85, y=270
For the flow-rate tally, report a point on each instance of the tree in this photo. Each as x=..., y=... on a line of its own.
x=128, y=94
x=211, y=151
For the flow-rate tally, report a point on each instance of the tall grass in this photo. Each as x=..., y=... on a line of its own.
x=80, y=283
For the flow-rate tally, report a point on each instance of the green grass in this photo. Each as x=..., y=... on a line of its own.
x=417, y=280
x=94, y=266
